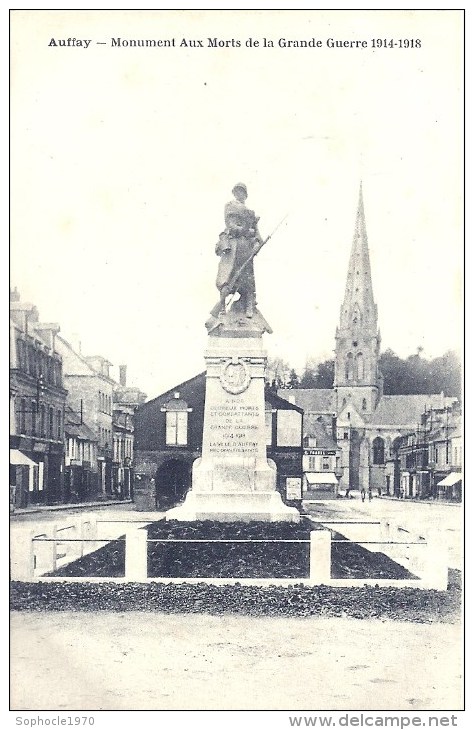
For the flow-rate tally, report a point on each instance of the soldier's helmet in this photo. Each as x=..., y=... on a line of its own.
x=240, y=186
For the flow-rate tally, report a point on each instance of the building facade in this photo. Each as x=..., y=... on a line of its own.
x=431, y=458
x=81, y=466
x=37, y=408
x=168, y=439
x=125, y=402
x=90, y=394
x=321, y=464
x=368, y=422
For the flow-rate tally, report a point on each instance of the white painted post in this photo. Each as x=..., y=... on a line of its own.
x=320, y=556
x=434, y=572
x=22, y=565
x=53, y=554
x=136, y=564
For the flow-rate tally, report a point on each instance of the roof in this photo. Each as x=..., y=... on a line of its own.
x=280, y=403
x=195, y=383
x=324, y=440
x=74, y=427
x=76, y=364
x=406, y=409
x=311, y=400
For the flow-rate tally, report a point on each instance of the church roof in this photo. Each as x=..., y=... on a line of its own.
x=311, y=400
x=406, y=409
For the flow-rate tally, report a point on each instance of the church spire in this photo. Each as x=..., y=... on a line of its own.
x=357, y=378
x=359, y=296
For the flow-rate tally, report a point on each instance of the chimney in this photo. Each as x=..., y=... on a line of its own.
x=123, y=375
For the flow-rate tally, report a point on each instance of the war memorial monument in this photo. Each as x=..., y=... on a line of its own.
x=233, y=480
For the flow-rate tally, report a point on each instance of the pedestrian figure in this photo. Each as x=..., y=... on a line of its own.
x=348, y=490
x=362, y=494
x=370, y=494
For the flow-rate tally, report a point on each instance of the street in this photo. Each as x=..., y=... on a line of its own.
x=445, y=520
x=152, y=661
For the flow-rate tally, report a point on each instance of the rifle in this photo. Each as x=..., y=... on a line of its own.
x=234, y=279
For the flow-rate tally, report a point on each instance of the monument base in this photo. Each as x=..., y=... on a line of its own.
x=235, y=507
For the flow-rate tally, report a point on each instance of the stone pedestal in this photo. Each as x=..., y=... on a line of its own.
x=234, y=480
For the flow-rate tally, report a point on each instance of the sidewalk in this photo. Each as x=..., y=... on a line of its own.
x=36, y=509
x=439, y=502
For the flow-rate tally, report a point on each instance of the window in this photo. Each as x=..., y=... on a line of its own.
x=176, y=428
x=31, y=365
x=22, y=416
x=59, y=420
x=349, y=366
x=33, y=417
x=43, y=421
x=51, y=423
x=312, y=463
x=360, y=366
x=326, y=464
x=378, y=449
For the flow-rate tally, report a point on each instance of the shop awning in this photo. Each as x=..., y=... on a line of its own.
x=18, y=458
x=327, y=477
x=453, y=478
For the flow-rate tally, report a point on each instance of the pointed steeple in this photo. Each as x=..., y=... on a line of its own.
x=359, y=296
x=357, y=378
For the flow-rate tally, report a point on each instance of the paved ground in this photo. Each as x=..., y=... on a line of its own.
x=445, y=520
x=114, y=661
x=69, y=661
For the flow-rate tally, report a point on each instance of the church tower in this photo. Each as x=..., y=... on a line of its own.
x=358, y=384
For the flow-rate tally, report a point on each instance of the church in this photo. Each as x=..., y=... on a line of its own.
x=364, y=421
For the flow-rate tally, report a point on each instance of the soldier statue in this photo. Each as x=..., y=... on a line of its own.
x=237, y=245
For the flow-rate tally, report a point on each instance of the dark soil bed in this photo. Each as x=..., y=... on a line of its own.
x=106, y=562
x=229, y=559
x=405, y=604
x=260, y=560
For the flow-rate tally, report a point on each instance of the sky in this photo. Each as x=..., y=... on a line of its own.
x=122, y=160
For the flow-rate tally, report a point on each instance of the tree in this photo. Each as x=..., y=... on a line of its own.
x=277, y=373
x=417, y=375
x=293, y=380
x=318, y=375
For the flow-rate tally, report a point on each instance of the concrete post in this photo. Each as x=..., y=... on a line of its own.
x=434, y=573
x=320, y=556
x=136, y=563
x=22, y=563
x=45, y=552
